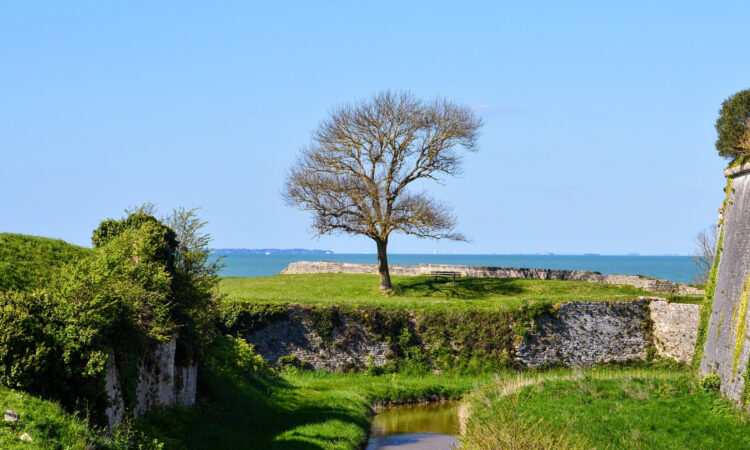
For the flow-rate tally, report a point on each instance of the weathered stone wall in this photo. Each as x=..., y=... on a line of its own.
x=160, y=383
x=576, y=334
x=584, y=334
x=350, y=344
x=648, y=284
x=675, y=329
x=726, y=351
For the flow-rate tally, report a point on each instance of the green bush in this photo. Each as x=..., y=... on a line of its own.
x=292, y=362
x=711, y=382
x=139, y=288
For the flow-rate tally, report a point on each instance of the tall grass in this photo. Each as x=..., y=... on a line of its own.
x=602, y=409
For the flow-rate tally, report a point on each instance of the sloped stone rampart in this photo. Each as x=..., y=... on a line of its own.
x=727, y=350
x=649, y=284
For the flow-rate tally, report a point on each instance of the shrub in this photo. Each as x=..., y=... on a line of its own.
x=139, y=288
x=292, y=362
x=711, y=382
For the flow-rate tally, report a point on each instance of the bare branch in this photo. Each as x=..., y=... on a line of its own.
x=355, y=174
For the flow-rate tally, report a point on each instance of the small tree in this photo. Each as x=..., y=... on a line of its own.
x=704, y=254
x=356, y=174
x=733, y=126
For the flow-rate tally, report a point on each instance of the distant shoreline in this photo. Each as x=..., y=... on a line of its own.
x=304, y=251
x=270, y=251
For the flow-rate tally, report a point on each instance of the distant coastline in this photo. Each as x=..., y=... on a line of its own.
x=270, y=251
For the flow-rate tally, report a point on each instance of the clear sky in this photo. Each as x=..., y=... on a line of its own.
x=599, y=118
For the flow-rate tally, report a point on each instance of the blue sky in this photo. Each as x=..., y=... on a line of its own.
x=598, y=131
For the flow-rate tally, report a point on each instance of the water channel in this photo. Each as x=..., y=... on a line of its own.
x=423, y=426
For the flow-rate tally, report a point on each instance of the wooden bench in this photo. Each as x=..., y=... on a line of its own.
x=445, y=273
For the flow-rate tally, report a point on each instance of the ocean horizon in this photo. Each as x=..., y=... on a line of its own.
x=679, y=268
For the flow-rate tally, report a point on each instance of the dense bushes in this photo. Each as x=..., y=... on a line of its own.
x=143, y=285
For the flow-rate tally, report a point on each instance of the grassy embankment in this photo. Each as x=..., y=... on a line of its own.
x=29, y=262
x=48, y=424
x=603, y=409
x=418, y=292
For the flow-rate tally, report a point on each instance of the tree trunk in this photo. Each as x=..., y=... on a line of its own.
x=385, y=276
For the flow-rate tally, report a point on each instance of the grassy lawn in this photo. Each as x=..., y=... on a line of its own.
x=245, y=405
x=603, y=409
x=417, y=292
x=48, y=425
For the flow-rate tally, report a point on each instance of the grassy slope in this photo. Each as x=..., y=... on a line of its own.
x=418, y=292
x=49, y=426
x=605, y=409
x=242, y=407
x=29, y=262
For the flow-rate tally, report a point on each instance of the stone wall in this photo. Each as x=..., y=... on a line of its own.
x=675, y=329
x=350, y=343
x=647, y=284
x=726, y=351
x=160, y=383
x=576, y=334
x=584, y=334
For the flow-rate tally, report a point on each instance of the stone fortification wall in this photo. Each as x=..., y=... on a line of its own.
x=726, y=351
x=576, y=334
x=349, y=345
x=675, y=329
x=160, y=383
x=648, y=284
x=581, y=334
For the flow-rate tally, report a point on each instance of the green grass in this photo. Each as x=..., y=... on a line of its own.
x=604, y=409
x=418, y=292
x=245, y=405
x=29, y=262
x=49, y=426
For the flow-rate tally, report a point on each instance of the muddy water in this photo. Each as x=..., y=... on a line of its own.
x=431, y=426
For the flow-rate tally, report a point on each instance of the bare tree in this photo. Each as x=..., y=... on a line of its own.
x=704, y=254
x=356, y=174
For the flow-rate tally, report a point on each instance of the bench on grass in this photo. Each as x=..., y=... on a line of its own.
x=445, y=273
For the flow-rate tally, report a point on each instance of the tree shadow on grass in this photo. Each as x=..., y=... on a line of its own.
x=462, y=288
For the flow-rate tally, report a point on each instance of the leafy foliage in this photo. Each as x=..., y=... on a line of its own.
x=733, y=126
x=140, y=287
x=711, y=382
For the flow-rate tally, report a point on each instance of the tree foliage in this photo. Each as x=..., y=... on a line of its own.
x=733, y=126
x=143, y=285
x=357, y=175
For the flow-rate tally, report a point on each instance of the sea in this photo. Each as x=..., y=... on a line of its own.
x=676, y=268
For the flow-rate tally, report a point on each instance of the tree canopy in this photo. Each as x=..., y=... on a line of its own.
x=733, y=126
x=356, y=175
